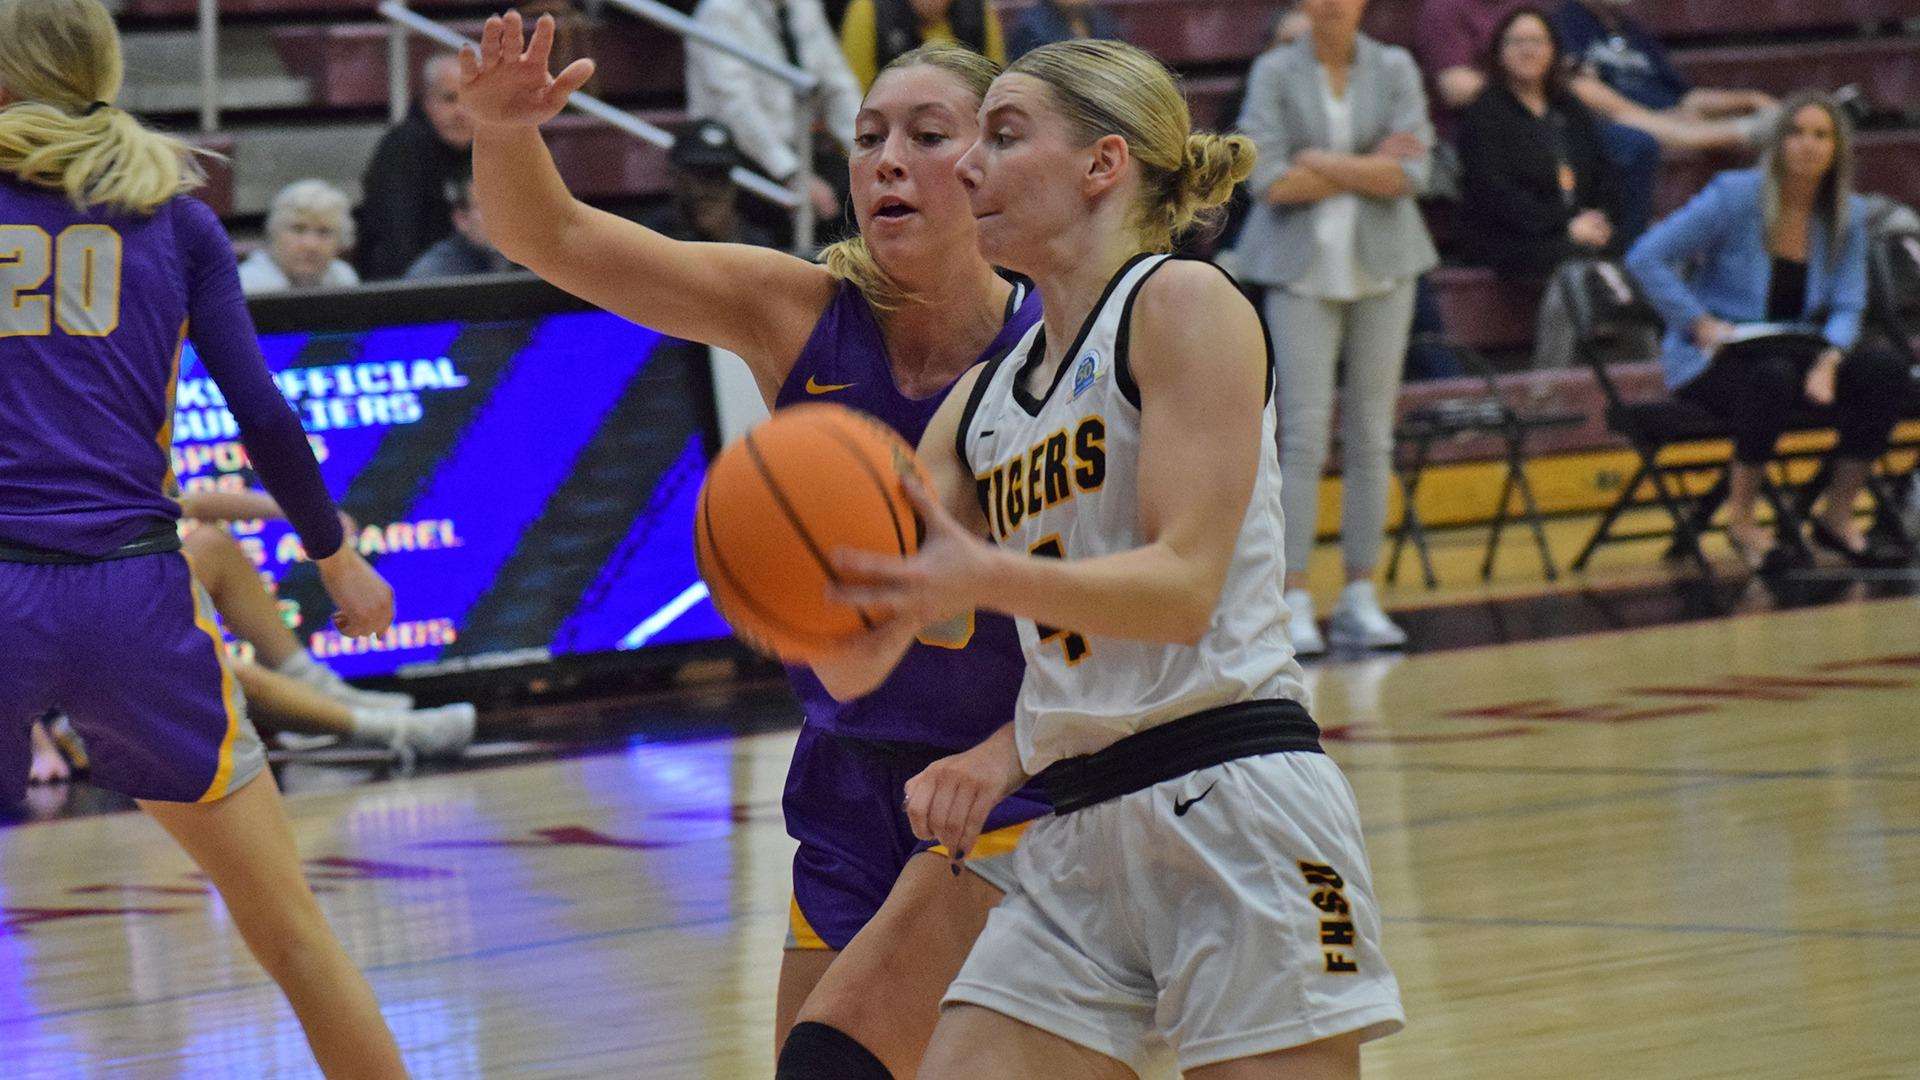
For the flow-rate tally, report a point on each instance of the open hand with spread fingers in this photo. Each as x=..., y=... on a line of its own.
x=505, y=82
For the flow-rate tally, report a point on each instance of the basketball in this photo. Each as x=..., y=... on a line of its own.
x=775, y=506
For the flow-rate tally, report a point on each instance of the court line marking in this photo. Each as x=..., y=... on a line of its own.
x=1372, y=829
x=1414, y=652
x=1493, y=922
x=1650, y=772
x=402, y=965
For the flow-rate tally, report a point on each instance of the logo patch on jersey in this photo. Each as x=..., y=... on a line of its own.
x=1085, y=373
x=814, y=386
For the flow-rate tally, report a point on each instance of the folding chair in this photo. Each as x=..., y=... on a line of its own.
x=1487, y=413
x=1613, y=324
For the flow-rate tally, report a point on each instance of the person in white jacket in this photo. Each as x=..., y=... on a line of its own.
x=758, y=107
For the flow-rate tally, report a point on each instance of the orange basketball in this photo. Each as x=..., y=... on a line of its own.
x=775, y=506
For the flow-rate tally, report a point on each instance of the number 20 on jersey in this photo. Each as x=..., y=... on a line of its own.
x=84, y=263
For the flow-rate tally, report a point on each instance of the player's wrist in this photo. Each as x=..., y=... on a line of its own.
x=339, y=560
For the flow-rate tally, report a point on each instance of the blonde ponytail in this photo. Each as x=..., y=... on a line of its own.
x=1214, y=166
x=60, y=68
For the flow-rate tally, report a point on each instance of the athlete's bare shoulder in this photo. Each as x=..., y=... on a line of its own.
x=1190, y=311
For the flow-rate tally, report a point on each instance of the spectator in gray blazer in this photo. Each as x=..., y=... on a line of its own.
x=1345, y=145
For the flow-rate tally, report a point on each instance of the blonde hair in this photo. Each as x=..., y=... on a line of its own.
x=1111, y=88
x=60, y=65
x=316, y=198
x=1835, y=194
x=851, y=260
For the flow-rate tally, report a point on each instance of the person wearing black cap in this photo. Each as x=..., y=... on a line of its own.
x=705, y=201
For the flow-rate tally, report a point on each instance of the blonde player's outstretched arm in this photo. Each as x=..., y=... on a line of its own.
x=867, y=661
x=1199, y=358
x=755, y=302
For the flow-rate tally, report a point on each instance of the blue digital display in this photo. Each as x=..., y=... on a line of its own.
x=527, y=485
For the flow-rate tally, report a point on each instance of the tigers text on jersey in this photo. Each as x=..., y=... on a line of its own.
x=1059, y=476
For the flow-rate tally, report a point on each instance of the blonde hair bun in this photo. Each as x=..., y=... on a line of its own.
x=1215, y=165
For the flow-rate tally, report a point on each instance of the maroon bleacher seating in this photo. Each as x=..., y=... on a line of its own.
x=347, y=62
x=599, y=162
x=1207, y=95
x=1886, y=69
x=1484, y=310
x=1706, y=18
x=218, y=191
x=180, y=9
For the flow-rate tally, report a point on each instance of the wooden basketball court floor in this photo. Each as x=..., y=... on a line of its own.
x=1682, y=850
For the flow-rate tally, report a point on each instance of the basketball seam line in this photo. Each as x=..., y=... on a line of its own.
x=793, y=519
x=899, y=537
x=733, y=583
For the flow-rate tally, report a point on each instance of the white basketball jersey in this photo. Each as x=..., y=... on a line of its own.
x=1058, y=475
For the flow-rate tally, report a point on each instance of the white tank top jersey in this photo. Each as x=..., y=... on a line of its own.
x=1059, y=476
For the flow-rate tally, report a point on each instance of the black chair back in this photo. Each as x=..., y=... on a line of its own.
x=1612, y=321
x=1893, y=300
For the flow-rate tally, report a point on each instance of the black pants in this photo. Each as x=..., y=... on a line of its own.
x=1756, y=397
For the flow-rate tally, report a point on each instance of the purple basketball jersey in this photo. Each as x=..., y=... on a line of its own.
x=95, y=308
x=944, y=697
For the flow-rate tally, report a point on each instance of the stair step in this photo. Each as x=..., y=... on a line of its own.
x=256, y=92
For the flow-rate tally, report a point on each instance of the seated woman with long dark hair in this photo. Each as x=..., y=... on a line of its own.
x=1537, y=185
x=1784, y=242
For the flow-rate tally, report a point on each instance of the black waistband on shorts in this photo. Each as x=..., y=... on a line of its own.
x=1178, y=747
x=158, y=540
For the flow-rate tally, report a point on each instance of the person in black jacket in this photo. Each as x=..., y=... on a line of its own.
x=405, y=207
x=1537, y=185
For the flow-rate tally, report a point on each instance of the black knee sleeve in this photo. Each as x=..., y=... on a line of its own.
x=818, y=1052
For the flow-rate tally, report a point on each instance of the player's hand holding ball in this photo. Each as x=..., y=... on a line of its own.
x=505, y=83
x=363, y=597
x=943, y=579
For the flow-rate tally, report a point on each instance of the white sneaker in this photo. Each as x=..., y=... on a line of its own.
x=434, y=733
x=305, y=668
x=1358, y=622
x=297, y=743
x=1301, y=629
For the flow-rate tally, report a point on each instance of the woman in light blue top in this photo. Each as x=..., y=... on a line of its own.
x=1341, y=124
x=1784, y=242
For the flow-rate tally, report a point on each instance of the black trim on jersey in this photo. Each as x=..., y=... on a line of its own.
x=1123, y=338
x=1021, y=290
x=1174, y=749
x=1038, y=351
x=1123, y=342
x=974, y=398
x=1015, y=298
x=1260, y=313
x=158, y=540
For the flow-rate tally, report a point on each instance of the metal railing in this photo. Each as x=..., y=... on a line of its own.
x=795, y=199
x=804, y=85
x=209, y=65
